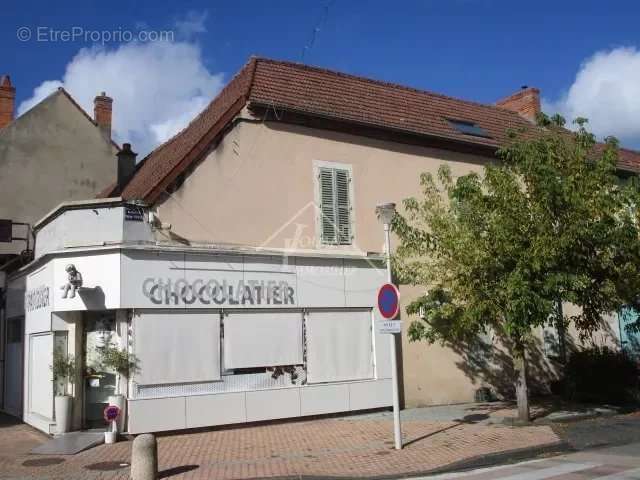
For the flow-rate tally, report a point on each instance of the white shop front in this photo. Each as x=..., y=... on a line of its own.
x=219, y=335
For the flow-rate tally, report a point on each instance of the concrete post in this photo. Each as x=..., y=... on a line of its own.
x=144, y=458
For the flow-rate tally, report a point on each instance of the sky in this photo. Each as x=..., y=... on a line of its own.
x=162, y=62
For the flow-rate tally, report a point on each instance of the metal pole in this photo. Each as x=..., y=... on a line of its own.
x=397, y=432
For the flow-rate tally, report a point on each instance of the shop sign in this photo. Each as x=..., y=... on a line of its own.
x=211, y=292
x=36, y=298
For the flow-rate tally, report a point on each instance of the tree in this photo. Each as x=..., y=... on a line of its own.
x=551, y=221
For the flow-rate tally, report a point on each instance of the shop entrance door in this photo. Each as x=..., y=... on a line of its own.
x=99, y=382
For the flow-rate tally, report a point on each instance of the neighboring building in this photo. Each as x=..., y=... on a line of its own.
x=52, y=153
x=295, y=157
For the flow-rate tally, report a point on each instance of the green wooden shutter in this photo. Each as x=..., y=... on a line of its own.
x=335, y=206
x=327, y=206
x=343, y=206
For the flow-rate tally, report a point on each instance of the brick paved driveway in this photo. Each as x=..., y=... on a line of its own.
x=344, y=447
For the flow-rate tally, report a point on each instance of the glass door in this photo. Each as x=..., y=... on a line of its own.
x=99, y=382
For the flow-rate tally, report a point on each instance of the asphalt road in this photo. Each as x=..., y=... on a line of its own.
x=605, y=463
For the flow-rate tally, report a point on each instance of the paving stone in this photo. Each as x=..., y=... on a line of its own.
x=332, y=447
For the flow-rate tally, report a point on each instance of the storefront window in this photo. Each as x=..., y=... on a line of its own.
x=253, y=341
x=339, y=346
x=173, y=347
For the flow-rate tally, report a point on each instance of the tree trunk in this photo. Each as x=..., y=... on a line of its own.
x=562, y=334
x=522, y=391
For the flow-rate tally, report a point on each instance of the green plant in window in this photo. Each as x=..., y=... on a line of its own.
x=117, y=359
x=63, y=369
x=113, y=358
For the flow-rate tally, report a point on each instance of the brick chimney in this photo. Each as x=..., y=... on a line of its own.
x=102, y=109
x=7, y=101
x=526, y=103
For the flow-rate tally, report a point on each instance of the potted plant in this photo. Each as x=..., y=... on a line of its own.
x=119, y=360
x=63, y=369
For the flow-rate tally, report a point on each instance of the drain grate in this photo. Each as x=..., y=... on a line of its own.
x=42, y=462
x=107, y=466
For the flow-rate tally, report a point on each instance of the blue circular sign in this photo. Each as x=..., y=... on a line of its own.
x=388, y=301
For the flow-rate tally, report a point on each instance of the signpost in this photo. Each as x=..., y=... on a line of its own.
x=389, y=307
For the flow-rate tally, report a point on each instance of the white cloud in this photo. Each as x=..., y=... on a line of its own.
x=192, y=23
x=606, y=90
x=157, y=88
x=40, y=92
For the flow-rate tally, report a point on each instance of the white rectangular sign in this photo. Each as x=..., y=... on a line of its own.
x=389, y=326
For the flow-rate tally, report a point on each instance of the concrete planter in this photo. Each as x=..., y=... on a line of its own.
x=119, y=401
x=63, y=406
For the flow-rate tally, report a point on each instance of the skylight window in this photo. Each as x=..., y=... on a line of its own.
x=468, y=128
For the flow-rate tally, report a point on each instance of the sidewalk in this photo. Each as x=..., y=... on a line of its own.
x=354, y=446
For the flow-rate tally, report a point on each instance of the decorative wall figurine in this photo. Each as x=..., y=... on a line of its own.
x=74, y=282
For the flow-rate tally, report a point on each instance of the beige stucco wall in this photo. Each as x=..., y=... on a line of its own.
x=258, y=188
x=51, y=154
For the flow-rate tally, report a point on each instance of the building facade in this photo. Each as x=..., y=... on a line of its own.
x=220, y=335
x=54, y=152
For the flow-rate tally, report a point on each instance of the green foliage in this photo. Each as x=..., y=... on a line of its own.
x=551, y=221
x=601, y=375
x=63, y=369
x=117, y=359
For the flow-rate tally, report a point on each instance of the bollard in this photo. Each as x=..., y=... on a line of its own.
x=144, y=458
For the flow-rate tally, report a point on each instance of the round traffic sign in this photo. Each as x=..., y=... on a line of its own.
x=388, y=301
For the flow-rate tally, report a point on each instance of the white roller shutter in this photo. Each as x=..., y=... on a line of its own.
x=339, y=346
x=177, y=347
x=262, y=339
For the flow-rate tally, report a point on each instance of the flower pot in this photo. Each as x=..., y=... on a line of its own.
x=110, y=437
x=119, y=401
x=63, y=406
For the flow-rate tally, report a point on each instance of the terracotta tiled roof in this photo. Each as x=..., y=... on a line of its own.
x=169, y=159
x=333, y=95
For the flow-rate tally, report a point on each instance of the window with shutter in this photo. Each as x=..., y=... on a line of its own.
x=335, y=206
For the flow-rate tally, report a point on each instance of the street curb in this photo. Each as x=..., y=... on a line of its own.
x=498, y=458
x=576, y=418
x=480, y=461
